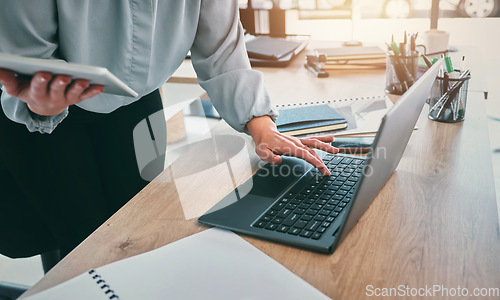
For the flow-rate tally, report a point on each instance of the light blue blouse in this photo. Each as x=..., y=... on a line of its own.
x=142, y=42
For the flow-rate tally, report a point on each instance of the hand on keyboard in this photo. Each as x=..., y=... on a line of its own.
x=271, y=144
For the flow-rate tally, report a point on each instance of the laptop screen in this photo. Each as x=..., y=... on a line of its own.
x=390, y=142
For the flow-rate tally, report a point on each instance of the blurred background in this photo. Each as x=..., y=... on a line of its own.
x=470, y=23
x=392, y=9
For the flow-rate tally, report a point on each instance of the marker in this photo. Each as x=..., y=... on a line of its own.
x=448, y=64
x=395, y=48
x=403, y=68
x=449, y=68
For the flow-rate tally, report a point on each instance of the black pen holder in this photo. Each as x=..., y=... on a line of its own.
x=448, y=99
x=401, y=72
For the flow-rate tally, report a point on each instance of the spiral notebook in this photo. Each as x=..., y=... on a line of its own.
x=363, y=114
x=213, y=264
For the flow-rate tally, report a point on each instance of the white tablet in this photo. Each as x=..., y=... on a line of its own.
x=96, y=75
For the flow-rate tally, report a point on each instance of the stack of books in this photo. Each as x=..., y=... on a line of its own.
x=359, y=57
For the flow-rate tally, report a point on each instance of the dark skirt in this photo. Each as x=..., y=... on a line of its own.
x=56, y=189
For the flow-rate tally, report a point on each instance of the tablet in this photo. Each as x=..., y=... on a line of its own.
x=95, y=75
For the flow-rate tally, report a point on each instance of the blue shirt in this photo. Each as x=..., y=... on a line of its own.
x=142, y=42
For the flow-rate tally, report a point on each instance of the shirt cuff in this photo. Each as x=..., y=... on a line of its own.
x=273, y=114
x=239, y=96
x=45, y=124
x=17, y=111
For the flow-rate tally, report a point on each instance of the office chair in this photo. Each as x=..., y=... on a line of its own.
x=11, y=291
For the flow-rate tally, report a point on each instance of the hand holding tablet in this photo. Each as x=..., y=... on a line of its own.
x=49, y=86
x=95, y=75
x=47, y=94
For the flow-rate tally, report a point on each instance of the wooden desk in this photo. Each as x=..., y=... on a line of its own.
x=434, y=223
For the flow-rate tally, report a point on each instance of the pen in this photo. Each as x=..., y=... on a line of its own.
x=399, y=70
x=404, y=70
x=452, y=93
x=389, y=49
x=427, y=61
x=406, y=49
x=462, y=64
x=400, y=86
x=444, y=88
x=460, y=110
x=445, y=98
x=402, y=48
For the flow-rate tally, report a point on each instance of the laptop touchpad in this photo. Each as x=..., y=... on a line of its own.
x=270, y=181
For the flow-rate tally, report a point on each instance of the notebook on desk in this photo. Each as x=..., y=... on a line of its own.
x=268, y=51
x=213, y=264
x=309, y=119
x=363, y=115
x=293, y=204
x=351, y=53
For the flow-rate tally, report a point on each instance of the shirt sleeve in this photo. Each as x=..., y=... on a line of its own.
x=220, y=59
x=29, y=30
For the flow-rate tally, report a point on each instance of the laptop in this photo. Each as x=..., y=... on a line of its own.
x=292, y=203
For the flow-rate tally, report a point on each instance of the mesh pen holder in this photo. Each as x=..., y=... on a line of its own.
x=448, y=98
x=401, y=72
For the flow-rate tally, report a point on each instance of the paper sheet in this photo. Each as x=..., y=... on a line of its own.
x=213, y=264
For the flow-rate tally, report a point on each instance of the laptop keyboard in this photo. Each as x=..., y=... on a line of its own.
x=309, y=212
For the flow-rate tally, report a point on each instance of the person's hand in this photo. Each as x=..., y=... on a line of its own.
x=46, y=94
x=271, y=144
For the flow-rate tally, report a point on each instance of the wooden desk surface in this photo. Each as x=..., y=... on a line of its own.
x=434, y=222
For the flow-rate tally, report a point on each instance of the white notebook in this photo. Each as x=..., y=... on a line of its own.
x=213, y=264
x=363, y=114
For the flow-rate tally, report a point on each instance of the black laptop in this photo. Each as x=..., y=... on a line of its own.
x=293, y=203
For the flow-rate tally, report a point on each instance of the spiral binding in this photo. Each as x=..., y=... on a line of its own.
x=340, y=101
x=102, y=283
